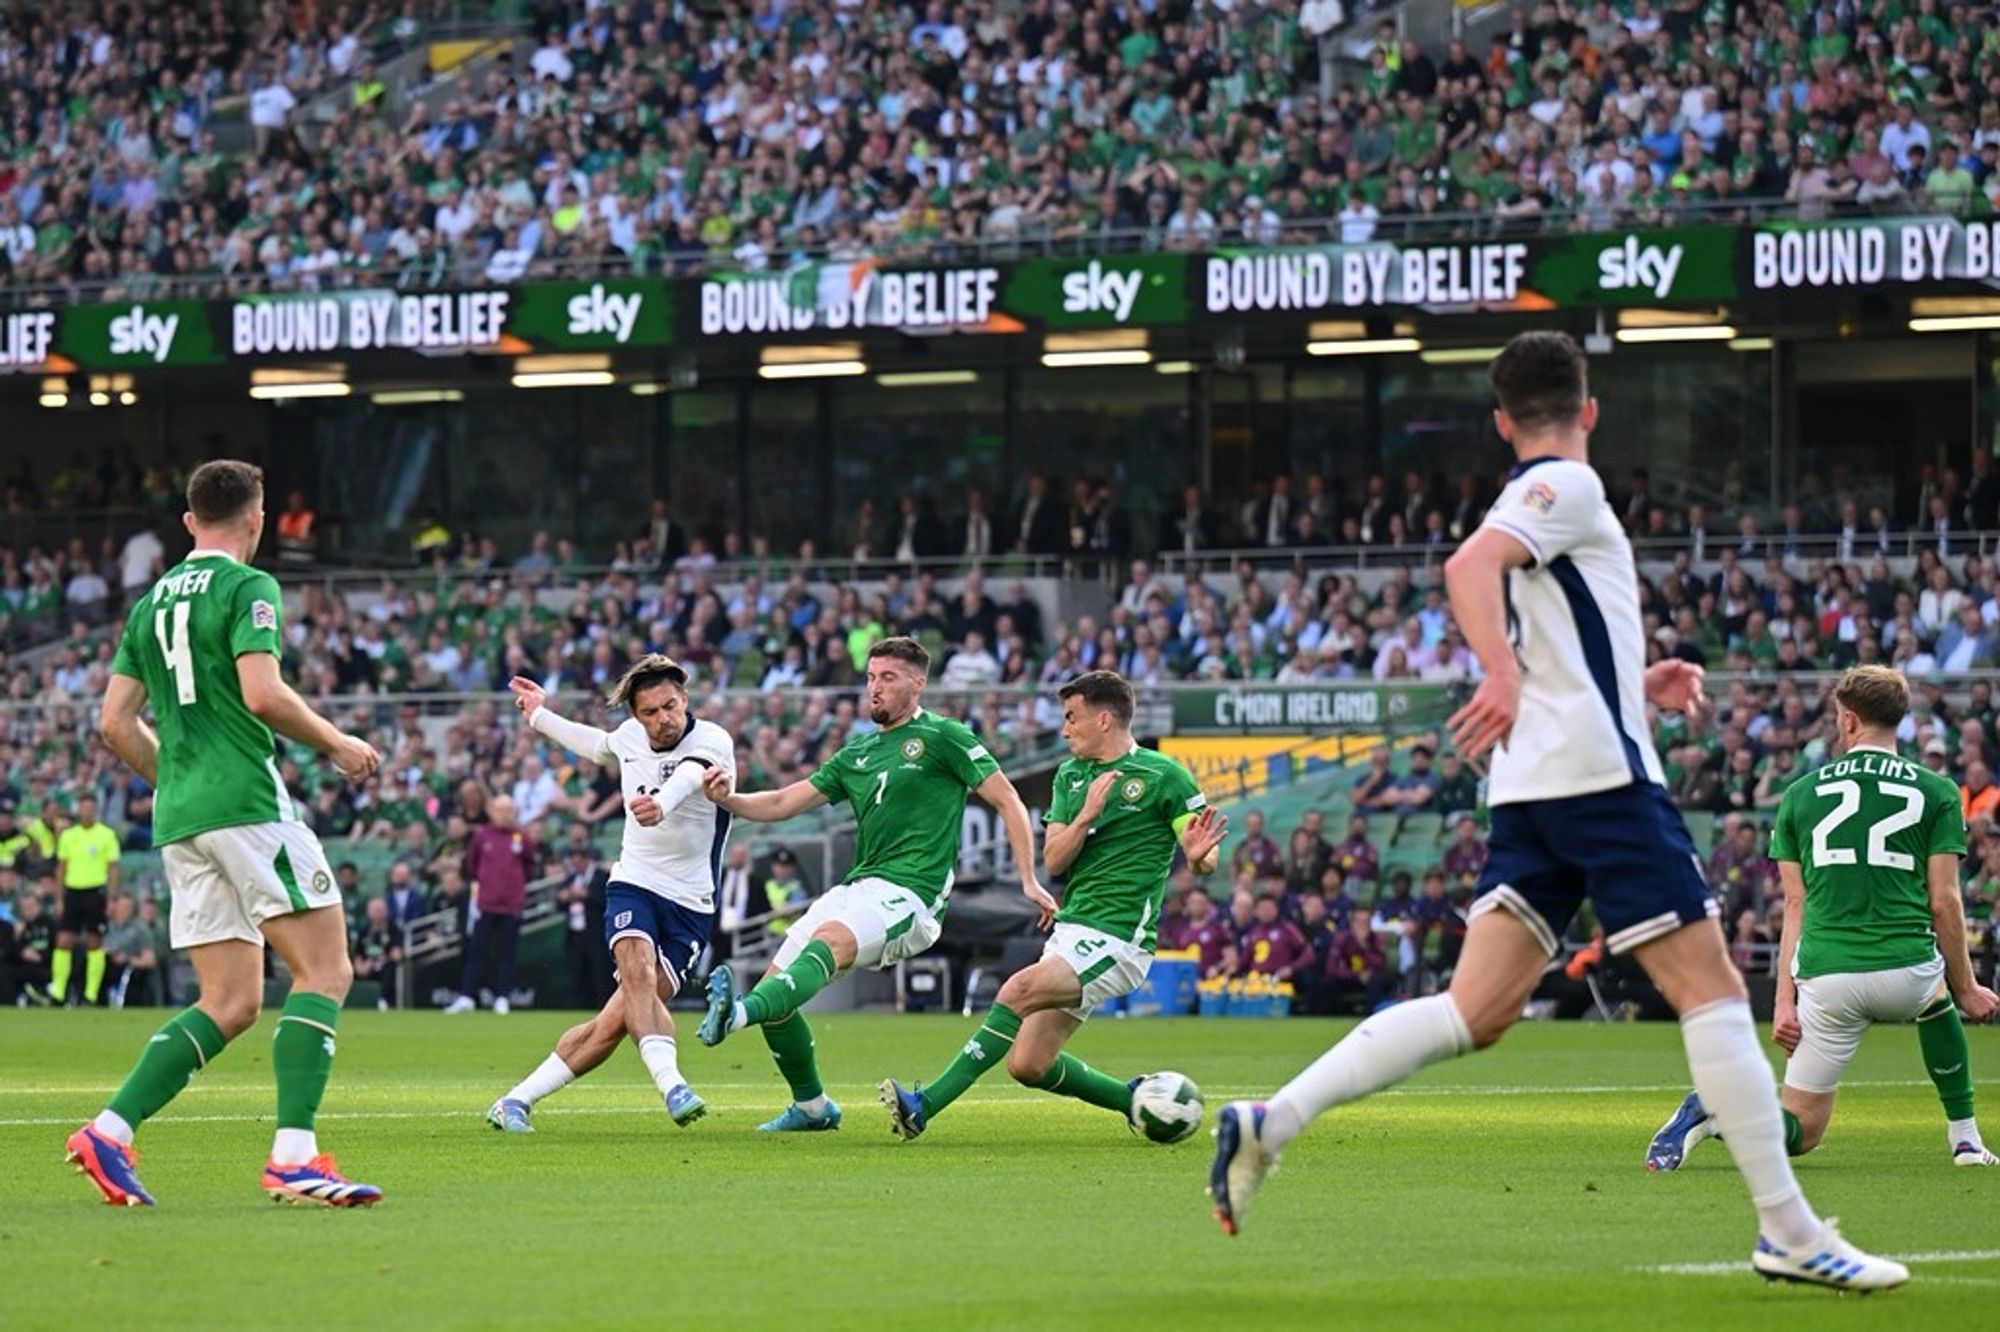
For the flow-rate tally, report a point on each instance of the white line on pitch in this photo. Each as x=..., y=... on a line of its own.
x=1936, y=1256
x=1213, y=1092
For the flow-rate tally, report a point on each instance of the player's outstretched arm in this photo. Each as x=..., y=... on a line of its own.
x=1000, y=796
x=761, y=806
x=1948, y=921
x=1785, y=1007
x=583, y=741
x=1472, y=580
x=119, y=722
x=279, y=707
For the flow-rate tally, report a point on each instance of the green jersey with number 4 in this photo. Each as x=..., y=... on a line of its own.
x=907, y=789
x=1862, y=830
x=1120, y=873
x=181, y=641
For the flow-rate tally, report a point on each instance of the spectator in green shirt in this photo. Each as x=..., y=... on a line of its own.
x=1950, y=185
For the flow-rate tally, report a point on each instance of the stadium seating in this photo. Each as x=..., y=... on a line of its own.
x=697, y=136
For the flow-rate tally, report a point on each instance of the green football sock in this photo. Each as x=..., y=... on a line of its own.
x=59, y=966
x=1941, y=1035
x=986, y=1051
x=791, y=1042
x=93, y=975
x=1070, y=1076
x=188, y=1041
x=1794, y=1135
x=302, y=1056
x=786, y=992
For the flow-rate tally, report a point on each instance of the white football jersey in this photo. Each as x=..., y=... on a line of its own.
x=680, y=856
x=1573, y=616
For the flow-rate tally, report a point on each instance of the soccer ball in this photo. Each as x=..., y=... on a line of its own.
x=1166, y=1107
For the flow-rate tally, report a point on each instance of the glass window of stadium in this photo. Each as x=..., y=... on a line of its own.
x=1130, y=427
x=944, y=438
x=1697, y=418
x=703, y=480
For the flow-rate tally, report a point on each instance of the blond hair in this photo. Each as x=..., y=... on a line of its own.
x=651, y=669
x=1878, y=695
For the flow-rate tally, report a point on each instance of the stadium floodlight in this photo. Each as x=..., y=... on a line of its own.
x=812, y=370
x=1075, y=360
x=1173, y=368
x=1677, y=333
x=1955, y=324
x=926, y=378
x=1458, y=355
x=322, y=388
x=1750, y=344
x=544, y=379
x=412, y=397
x=1363, y=346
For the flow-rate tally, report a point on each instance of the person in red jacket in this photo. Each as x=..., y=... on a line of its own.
x=499, y=859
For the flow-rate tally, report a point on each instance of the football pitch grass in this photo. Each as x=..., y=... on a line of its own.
x=1502, y=1190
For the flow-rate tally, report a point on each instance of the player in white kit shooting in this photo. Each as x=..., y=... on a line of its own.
x=660, y=903
x=1547, y=596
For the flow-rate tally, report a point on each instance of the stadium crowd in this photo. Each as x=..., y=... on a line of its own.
x=1342, y=923
x=789, y=646
x=640, y=136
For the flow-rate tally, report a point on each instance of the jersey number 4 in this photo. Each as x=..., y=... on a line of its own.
x=170, y=626
x=1849, y=796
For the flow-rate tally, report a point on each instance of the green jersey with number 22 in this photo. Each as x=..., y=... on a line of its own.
x=1861, y=830
x=181, y=641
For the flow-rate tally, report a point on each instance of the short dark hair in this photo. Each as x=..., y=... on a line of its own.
x=223, y=490
x=652, y=669
x=1540, y=379
x=1102, y=689
x=902, y=647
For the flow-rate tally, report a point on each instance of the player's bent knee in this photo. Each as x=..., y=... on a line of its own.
x=232, y=1015
x=840, y=941
x=333, y=978
x=1026, y=1067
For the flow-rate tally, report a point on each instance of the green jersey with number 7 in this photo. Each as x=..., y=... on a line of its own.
x=217, y=767
x=907, y=789
x=1862, y=830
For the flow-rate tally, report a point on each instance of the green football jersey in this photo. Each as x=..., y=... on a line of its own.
x=1120, y=874
x=181, y=641
x=1861, y=830
x=907, y=789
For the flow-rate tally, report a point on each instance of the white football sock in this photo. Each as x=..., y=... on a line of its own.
x=113, y=1126
x=738, y=1018
x=1957, y=1131
x=1737, y=1090
x=815, y=1107
x=662, y=1061
x=549, y=1077
x=1379, y=1053
x=294, y=1146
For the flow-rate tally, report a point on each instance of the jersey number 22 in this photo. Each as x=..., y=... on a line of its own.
x=1849, y=796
